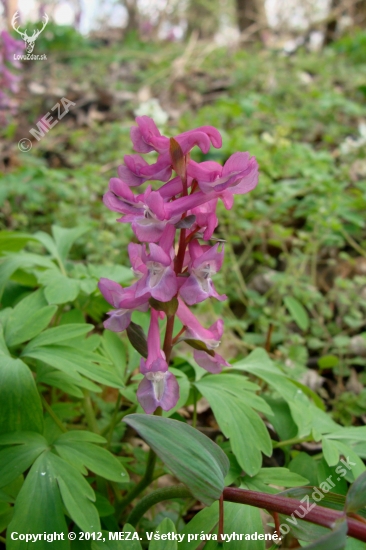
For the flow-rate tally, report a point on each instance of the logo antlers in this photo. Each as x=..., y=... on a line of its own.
x=29, y=40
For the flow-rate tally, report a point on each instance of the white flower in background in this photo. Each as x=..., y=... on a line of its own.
x=351, y=144
x=153, y=109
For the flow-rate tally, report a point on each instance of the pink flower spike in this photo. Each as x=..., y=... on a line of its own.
x=211, y=364
x=199, y=285
x=159, y=388
x=195, y=331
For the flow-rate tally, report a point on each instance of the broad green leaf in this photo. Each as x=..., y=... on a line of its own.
x=204, y=521
x=237, y=386
x=115, y=351
x=48, y=243
x=336, y=539
x=259, y=364
x=330, y=452
x=65, y=238
x=242, y=519
x=356, y=496
x=297, y=312
x=6, y=514
x=60, y=289
x=281, y=477
x=165, y=527
x=38, y=509
x=13, y=241
x=28, y=318
x=240, y=423
x=192, y=457
x=328, y=361
x=9, y=264
x=3, y=347
x=62, y=381
x=20, y=404
x=76, y=494
x=98, y=460
x=15, y=460
x=75, y=361
x=59, y=334
x=80, y=436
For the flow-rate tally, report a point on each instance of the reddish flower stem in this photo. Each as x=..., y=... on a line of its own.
x=284, y=505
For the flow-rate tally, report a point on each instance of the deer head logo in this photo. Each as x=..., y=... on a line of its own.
x=29, y=40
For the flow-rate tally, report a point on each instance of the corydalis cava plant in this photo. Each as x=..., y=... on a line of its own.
x=174, y=264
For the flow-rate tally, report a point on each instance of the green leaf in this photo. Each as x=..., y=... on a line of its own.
x=38, y=508
x=297, y=312
x=15, y=460
x=13, y=241
x=165, y=527
x=73, y=361
x=11, y=263
x=82, y=436
x=240, y=423
x=192, y=457
x=330, y=452
x=204, y=521
x=356, y=496
x=259, y=364
x=3, y=347
x=76, y=494
x=244, y=519
x=336, y=539
x=98, y=460
x=115, y=350
x=28, y=318
x=169, y=308
x=137, y=337
x=20, y=404
x=281, y=477
x=59, y=289
x=59, y=334
x=328, y=362
x=65, y=238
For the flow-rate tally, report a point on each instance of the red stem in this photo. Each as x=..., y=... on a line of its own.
x=284, y=505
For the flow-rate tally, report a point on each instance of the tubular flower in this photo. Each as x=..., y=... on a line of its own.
x=173, y=268
x=159, y=387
